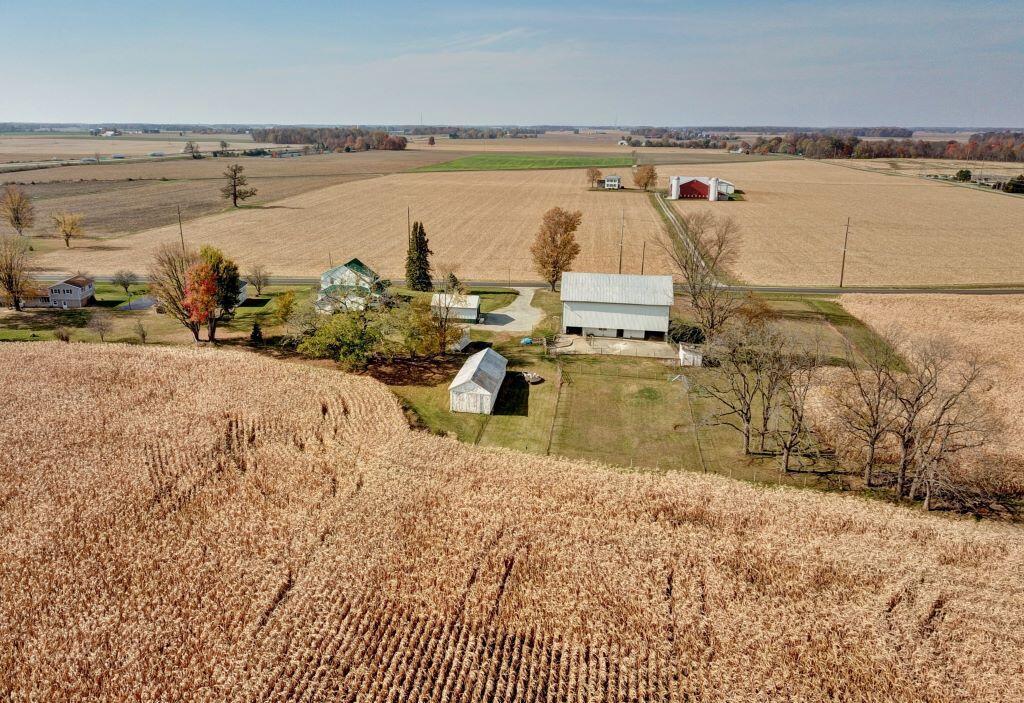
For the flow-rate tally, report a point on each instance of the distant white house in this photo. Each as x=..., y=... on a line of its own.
x=616, y=305
x=346, y=286
x=699, y=188
x=243, y=291
x=75, y=292
x=475, y=388
x=612, y=182
x=623, y=142
x=457, y=306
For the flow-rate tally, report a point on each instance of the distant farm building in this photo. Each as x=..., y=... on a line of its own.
x=74, y=292
x=243, y=291
x=348, y=286
x=475, y=388
x=456, y=306
x=610, y=182
x=699, y=188
x=616, y=305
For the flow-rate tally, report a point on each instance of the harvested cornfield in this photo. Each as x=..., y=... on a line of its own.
x=200, y=525
x=122, y=197
x=482, y=222
x=903, y=230
x=990, y=325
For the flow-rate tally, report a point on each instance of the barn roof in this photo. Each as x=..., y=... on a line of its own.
x=458, y=300
x=625, y=289
x=358, y=267
x=485, y=369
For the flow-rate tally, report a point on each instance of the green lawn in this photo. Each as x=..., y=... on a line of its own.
x=491, y=297
x=40, y=323
x=510, y=162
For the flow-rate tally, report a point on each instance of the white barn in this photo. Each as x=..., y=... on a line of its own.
x=616, y=305
x=464, y=308
x=475, y=388
x=699, y=187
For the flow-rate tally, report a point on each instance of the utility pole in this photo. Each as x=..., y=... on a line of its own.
x=622, y=231
x=846, y=240
x=181, y=232
x=643, y=255
x=408, y=222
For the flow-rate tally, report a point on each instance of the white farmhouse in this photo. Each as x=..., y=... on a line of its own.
x=346, y=286
x=611, y=182
x=616, y=305
x=475, y=388
x=456, y=306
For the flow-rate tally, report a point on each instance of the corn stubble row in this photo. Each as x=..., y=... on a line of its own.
x=194, y=525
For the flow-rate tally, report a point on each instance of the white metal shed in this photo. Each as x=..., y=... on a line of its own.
x=475, y=388
x=465, y=308
x=616, y=305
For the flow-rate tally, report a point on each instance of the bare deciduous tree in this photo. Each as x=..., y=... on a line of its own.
x=734, y=384
x=125, y=279
x=236, y=187
x=555, y=247
x=259, y=277
x=15, y=282
x=593, y=175
x=798, y=378
x=17, y=209
x=937, y=416
x=710, y=246
x=68, y=225
x=100, y=323
x=168, y=277
x=864, y=399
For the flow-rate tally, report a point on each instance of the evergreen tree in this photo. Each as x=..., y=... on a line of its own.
x=256, y=336
x=417, y=259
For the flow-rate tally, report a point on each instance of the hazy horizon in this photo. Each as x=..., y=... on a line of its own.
x=750, y=63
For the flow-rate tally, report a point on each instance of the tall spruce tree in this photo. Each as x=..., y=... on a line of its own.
x=417, y=259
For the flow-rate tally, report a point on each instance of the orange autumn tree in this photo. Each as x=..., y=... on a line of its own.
x=555, y=247
x=200, y=293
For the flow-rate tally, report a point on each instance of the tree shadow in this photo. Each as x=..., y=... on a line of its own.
x=417, y=372
x=40, y=319
x=514, y=396
x=254, y=303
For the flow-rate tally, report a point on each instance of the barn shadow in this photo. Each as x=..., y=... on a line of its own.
x=514, y=396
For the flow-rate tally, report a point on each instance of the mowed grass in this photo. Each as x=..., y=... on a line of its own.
x=517, y=162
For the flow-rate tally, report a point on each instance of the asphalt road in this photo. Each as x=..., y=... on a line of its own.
x=791, y=290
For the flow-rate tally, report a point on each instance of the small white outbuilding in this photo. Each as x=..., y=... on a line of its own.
x=475, y=388
x=456, y=306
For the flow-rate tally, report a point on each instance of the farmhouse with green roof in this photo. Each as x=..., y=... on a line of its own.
x=347, y=286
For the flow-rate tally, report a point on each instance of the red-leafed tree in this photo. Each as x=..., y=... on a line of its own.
x=200, y=293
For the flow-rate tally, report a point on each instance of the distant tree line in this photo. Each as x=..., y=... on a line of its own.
x=455, y=132
x=987, y=146
x=332, y=138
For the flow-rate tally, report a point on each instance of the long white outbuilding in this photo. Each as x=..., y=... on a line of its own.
x=616, y=305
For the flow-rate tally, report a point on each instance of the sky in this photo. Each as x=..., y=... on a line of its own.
x=645, y=62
